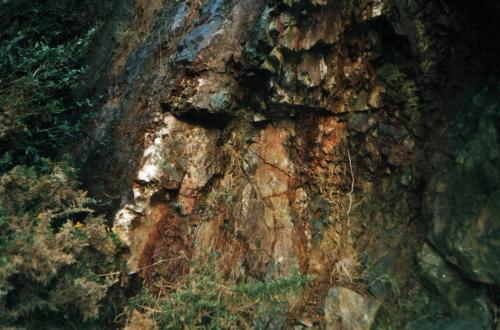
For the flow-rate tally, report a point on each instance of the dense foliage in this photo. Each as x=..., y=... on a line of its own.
x=53, y=249
x=52, y=264
x=41, y=53
x=207, y=299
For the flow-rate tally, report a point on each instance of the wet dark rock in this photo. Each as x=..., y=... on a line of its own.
x=463, y=199
x=464, y=300
x=361, y=122
x=221, y=100
x=448, y=324
x=260, y=42
x=381, y=282
x=209, y=21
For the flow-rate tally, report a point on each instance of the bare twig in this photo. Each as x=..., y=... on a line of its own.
x=145, y=267
x=157, y=263
x=352, y=188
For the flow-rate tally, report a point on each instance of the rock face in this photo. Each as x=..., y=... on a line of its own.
x=466, y=302
x=310, y=136
x=463, y=203
x=346, y=309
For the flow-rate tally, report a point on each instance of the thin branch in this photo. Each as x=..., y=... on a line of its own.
x=157, y=263
x=352, y=188
x=145, y=267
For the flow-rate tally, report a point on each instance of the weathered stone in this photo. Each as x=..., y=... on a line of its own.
x=361, y=122
x=221, y=100
x=466, y=302
x=382, y=283
x=312, y=70
x=447, y=324
x=266, y=221
x=260, y=42
x=200, y=166
x=346, y=309
x=200, y=37
x=463, y=203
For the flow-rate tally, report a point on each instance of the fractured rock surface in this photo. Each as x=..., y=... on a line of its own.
x=304, y=136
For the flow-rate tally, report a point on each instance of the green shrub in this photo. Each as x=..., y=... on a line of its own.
x=36, y=118
x=53, y=250
x=207, y=299
x=42, y=53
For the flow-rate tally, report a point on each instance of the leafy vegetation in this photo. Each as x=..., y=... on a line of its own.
x=41, y=55
x=207, y=299
x=53, y=249
x=51, y=262
x=35, y=119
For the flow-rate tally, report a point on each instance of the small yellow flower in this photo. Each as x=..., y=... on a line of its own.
x=78, y=224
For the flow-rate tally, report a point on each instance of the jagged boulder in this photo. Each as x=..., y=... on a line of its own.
x=467, y=304
x=348, y=310
x=463, y=198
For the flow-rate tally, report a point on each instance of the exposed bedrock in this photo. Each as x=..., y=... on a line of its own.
x=356, y=141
